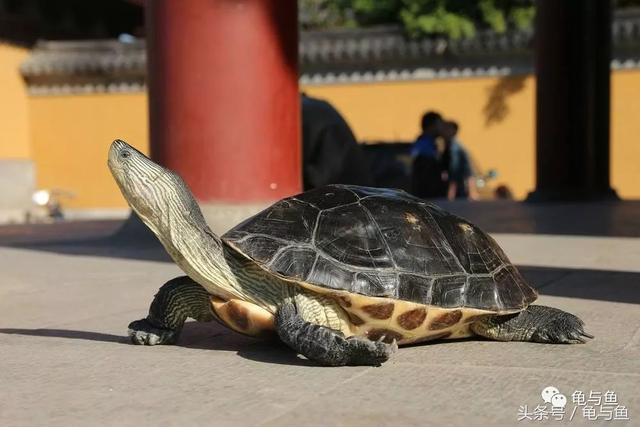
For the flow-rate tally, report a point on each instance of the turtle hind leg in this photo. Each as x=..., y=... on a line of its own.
x=537, y=323
x=325, y=345
x=176, y=300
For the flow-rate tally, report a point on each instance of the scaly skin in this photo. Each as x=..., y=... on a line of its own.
x=537, y=323
x=182, y=297
x=327, y=346
x=176, y=300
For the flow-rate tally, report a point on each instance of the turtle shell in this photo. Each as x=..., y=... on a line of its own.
x=382, y=243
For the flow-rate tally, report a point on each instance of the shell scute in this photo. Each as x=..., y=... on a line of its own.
x=382, y=243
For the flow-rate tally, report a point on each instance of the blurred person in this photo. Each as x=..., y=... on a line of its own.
x=428, y=176
x=459, y=174
x=330, y=152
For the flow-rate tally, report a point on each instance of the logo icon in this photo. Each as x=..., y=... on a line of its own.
x=548, y=393
x=559, y=401
x=552, y=395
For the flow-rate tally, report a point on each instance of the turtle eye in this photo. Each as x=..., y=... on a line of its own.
x=125, y=154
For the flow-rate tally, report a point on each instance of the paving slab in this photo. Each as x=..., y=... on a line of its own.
x=65, y=361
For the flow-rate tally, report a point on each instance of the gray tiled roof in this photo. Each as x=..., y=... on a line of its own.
x=88, y=65
x=362, y=45
x=327, y=56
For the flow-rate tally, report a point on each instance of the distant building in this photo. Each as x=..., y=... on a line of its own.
x=65, y=101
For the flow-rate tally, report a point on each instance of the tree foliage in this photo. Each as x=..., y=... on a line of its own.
x=450, y=18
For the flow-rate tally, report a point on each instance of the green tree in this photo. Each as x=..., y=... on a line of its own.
x=450, y=18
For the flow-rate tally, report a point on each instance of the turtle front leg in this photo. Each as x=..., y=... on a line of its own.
x=325, y=345
x=176, y=300
x=537, y=323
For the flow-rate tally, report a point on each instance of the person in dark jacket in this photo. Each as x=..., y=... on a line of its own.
x=428, y=178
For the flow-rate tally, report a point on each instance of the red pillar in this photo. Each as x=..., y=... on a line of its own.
x=223, y=96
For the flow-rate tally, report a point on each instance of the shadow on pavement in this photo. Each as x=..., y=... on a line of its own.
x=612, y=219
x=602, y=285
x=129, y=239
x=203, y=336
x=65, y=333
x=109, y=247
x=213, y=336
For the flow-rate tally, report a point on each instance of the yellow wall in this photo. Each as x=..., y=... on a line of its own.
x=14, y=120
x=71, y=134
x=71, y=137
x=497, y=119
x=495, y=115
x=625, y=133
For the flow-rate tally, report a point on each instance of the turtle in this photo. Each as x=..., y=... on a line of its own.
x=341, y=274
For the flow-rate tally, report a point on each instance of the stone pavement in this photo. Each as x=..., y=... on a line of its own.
x=64, y=361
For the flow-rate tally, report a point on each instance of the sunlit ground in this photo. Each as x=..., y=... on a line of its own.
x=65, y=307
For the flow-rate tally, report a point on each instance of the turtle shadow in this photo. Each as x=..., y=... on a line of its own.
x=208, y=336
x=66, y=333
x=194, y=336
x=442, y=341
x=214, y=337
x=107, y=247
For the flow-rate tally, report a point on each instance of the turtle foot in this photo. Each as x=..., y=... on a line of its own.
x=142, y=332
x=327, y=346
x=561, y=328
x=537, y=323
x=371, y=353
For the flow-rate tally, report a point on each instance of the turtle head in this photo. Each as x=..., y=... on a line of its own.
x=165, y=204
x=158, y=195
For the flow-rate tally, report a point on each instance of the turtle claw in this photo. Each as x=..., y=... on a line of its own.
x=559, y=327
x=383, y=351
x=579, y=337
x=142, y=332
x=373, y=353
x=393, y=344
